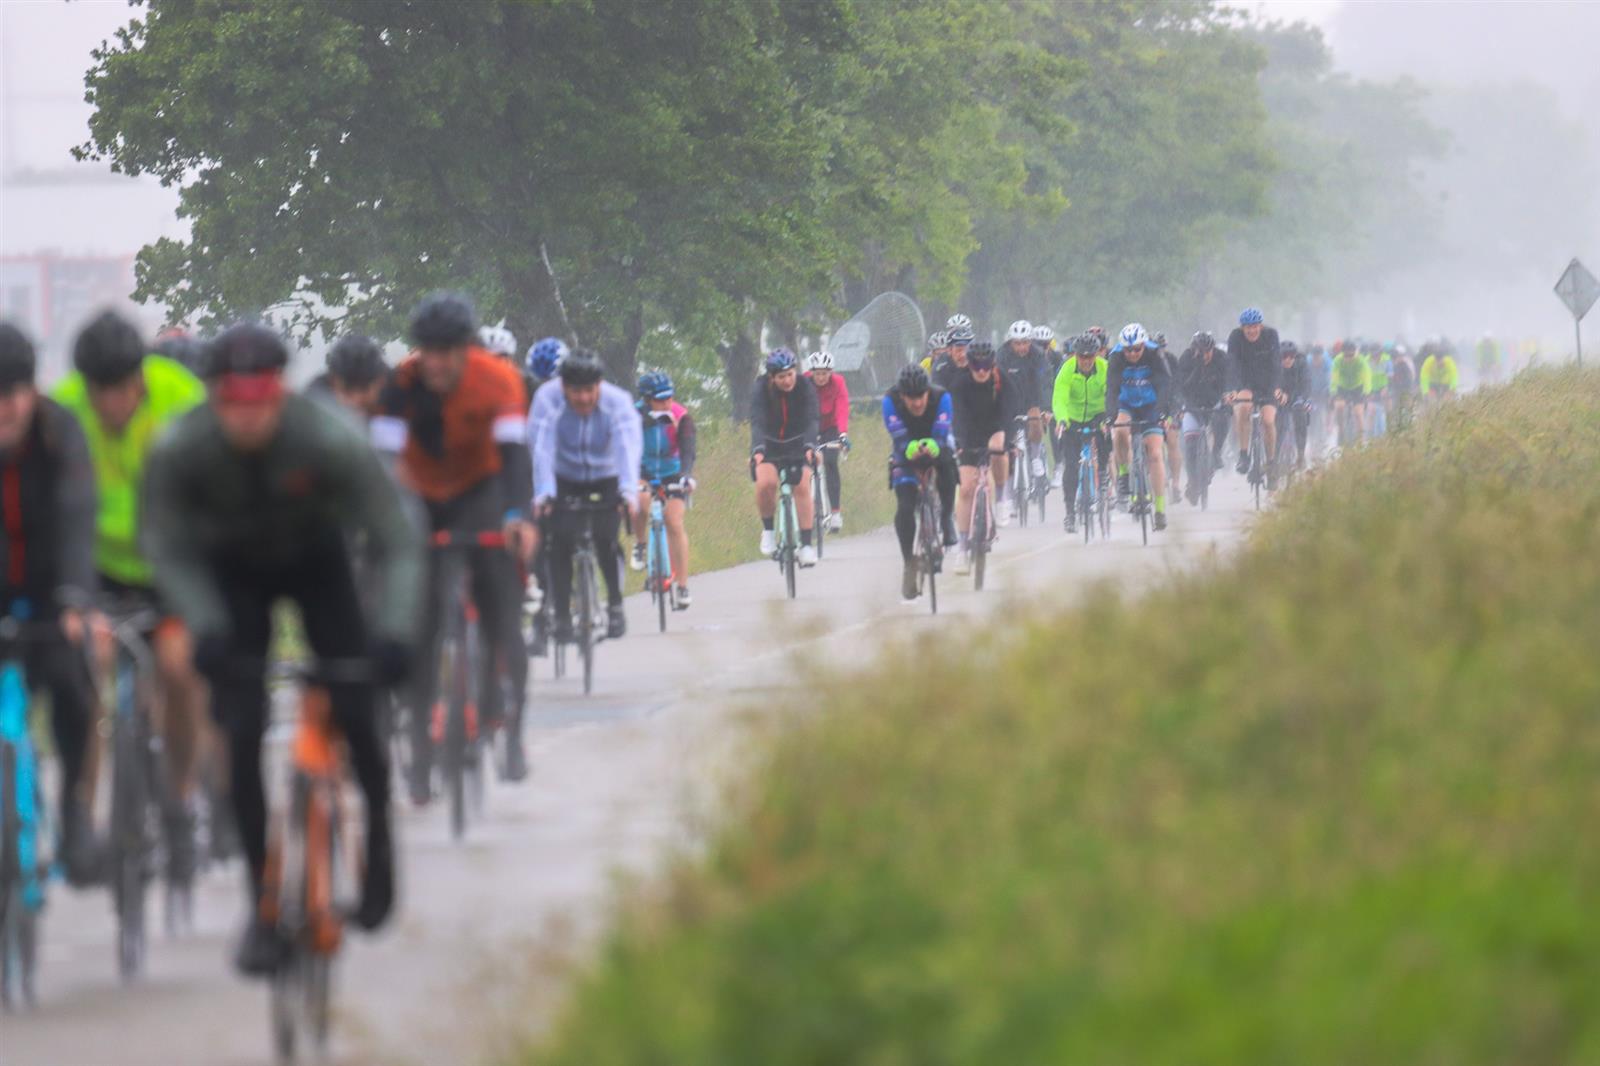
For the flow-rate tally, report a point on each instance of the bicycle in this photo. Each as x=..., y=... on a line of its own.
x=1202, y=453
x=23, y=876
x=1257, y=475
x=1141, y=504
x=1092, y=502
x=658, y=567
x=460, y=664
x=787, y=526
x=930, y=532
x=135, y=780
x=822, y=503
x=985, y=529
x=307, y=879
x=588, y=610
x=1288, y=458
x=1026, y=489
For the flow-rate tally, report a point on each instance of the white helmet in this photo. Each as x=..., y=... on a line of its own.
x=958, y=322
x=1021, y=330
x=819, y=361
x=498, y=340
x=1043, y=334
x=1133, y=335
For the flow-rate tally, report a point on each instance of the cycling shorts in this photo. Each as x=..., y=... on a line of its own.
x=1144, y=421
x=973, y=457
x=121, y=596
x=1357, y=395
x=1258, y=397
x=792, y=465
x=674, y=486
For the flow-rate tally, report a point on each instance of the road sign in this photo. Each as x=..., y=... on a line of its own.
x=1578, y=289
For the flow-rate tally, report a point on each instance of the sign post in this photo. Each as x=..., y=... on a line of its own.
x=1578, y=289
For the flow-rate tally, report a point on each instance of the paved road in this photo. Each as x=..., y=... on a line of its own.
x=619, y=778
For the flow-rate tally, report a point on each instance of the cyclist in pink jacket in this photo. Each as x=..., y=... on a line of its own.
x=833, y=406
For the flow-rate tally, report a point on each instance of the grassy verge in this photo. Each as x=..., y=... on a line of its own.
x=723, y=528
x=1329, y=803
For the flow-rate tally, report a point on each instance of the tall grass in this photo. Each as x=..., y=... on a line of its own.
x=1332, y=802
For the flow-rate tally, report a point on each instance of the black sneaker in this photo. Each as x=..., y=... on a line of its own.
x=81, y=853
x=951, y=537
x=178, y=829
x=616, y=622
x=377, y=884
x=516, y=756
x=260, y=949
x=1123, y=491
x=1243, y=465
x=564, y=633
x=539, y=643
x=1160, y=521
x=1069, y=524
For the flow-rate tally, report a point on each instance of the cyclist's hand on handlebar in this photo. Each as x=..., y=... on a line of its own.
x=689, y=485
x=542, y=508
x=519, y=534
x=73, y=625
x=210, y=655
x=1283, y=397
x=844, y=442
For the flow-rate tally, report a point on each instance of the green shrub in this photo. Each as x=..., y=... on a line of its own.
x=1329, y=802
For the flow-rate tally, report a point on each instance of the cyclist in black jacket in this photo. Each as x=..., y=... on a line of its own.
x=1253, y=353
x=984, y=405
x=783, y=437
x=1203, y=379
x=1295, y=384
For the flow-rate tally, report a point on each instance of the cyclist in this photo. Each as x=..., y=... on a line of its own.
x=1137, y=399
x=1319, y=371
x=833, y=424
x=542, y=365
x=947, y=371
x=1173, y=426
x=355, y=378
x=1295, y=382
x=1202, y=382
x=668, y=443
x=1056, y=355
x=1439, y=376
x=982, y=406
x=590, y=443
x=177, y=345
x=783, y=437
x=497, y=340
x=1379, y=367
x=938, y=342
x=917, y=414
x=1253, y=356
x=1489, y=360
x=454, y=415
x=1402, y=384
x=47, y=545
x=123, y=400
x=1028, y=368
x=544, y=359
x=253, y=497
x=1350, y=377
x=1079, y=405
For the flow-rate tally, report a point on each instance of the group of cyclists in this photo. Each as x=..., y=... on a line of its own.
x=188, y=478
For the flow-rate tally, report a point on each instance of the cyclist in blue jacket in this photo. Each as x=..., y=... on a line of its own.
x=917, y=414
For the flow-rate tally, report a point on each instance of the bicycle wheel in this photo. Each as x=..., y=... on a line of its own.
x=130, y=806
x=457, y=694
x=1021, y=491
x=584, y=589
x=1258, y=462
x=932, y=546
x=819, y=507
x=790, y=542
x=1141, y=492
x=978, y=538
x=1085, y=500
x=18, y=928
x=660, y=575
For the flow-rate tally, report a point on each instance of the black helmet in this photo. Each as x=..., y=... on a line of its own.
x=1085, y=344
x=913, y=380
x=182, y=348
x=108, y=350
x=444, y=320
x=980, y=355
x=580, y=368
x=246, y=348
x=356, y=361
x=1204, y=342
x=17, y=359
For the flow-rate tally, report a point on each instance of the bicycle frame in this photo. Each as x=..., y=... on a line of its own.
x=22, y=889
x=788, y=529
x=136, y=781
x=930, y=532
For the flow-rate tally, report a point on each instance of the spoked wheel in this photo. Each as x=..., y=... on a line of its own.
x=1141, y=502
x=129, y=830
x=789, y=564
x=19, y=949
x=1020, y=494
x=819, y=511
x=663, y=593
x=586, y=606
x=457, y=695
x=979, y=539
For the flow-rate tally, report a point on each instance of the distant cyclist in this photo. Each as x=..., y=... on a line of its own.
x=1253, y=356
x=1439, y=376
x=982, y=407
x=544, y=359
x=253, y=498
x=938, y=341
x=1173, y=425
x=1137, y=397
x=1295, y=383
x=667, y=459
x=539, y=369
x=948, y=370
x=833, y=425
x=1379, y=367
x=47, y=545
x=589, y=443
x=124, y=401
x=1028, y=368
x=355, y=378
x=1350, y=377
x=783, y=438
x=917, y=414
x=1203, y=381
x=1079, y=405
x=1490, y=360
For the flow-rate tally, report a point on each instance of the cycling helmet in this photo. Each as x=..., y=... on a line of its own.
x=108, y=350
x=956, y=322
x=1134, y=336
x=545, y=356
x=779, y=360
x=655, y=385
x=1043, y=334
x=1085, y=344
x=443, y=320
x=581, y=367
x=1288, y=348
x=961, y=335
x=913, y=380
x=499, y=340
x=356, y=361
x=1250, y=316
x=981, y=356
x=178, y=346
x=819, y=361
x=1203, y=341
x=1021, y=330
x=1158, y=339
x=938, y=339
x=246, y=348
x=1096, y=331
x=17, y=359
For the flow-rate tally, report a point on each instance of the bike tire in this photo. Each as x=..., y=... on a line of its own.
x=819, y=509
x=660, y=574
x=457, y=695
x=17, y=958
x=584, y=582
x=1141, y=496
x=1085, y=499
x=130, y=799
x=978, y=538
x=1022, y=494
x=932, y=548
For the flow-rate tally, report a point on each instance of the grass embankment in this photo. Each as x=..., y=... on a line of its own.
x=1334, y=802
x=723, y=528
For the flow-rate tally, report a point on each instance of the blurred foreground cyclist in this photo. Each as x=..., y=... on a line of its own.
x=251, y=498
x=918, y=415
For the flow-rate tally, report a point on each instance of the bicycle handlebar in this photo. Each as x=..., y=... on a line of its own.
x=446, y=539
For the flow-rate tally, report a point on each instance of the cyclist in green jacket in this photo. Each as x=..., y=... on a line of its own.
x=1351, y=378
x=124, y=398
x=1079, y=404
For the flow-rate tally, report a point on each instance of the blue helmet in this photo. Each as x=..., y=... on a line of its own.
x=655, y=385
x=545, y=357
x=781, y=359
x=1250, y=316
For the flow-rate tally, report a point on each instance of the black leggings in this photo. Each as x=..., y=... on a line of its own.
x=830, y=468
x=905, y=510
x=320, y=583
x=565, y=528
x=52, y=665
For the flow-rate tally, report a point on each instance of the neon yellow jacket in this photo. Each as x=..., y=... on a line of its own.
x=1350, y=373
x=170, y=390
x=1439, y=373
x=1079, y=397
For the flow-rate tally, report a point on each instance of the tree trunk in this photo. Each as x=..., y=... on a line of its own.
x=622, y=357
x=740, y=359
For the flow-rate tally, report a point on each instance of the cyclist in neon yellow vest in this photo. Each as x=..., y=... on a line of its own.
x=124, y=398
